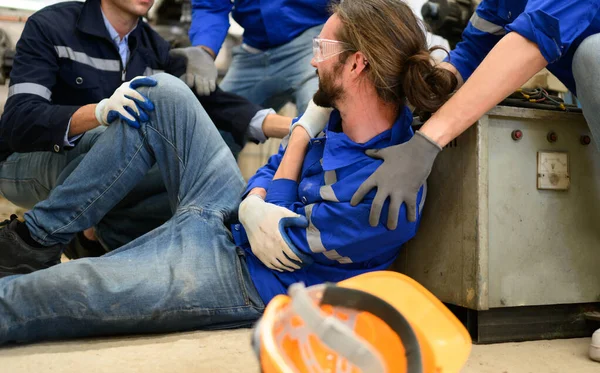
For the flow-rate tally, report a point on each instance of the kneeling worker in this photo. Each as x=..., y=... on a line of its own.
x=70, y=57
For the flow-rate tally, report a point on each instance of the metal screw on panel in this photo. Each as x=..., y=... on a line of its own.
x=552, y=137
x=517, y=135
x=585, y=140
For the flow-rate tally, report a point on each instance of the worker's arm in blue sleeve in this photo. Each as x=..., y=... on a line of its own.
x=337, y=229
x=482, y=33
x=31, y=122
x=554, y=25
x=210, y=23
x=264, y=176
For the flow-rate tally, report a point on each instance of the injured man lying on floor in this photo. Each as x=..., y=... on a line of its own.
x=217, y=262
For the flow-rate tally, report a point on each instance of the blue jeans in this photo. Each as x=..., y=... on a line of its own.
x=28, y=178
x=186, y=274
x=586, y=71
x=275, y=76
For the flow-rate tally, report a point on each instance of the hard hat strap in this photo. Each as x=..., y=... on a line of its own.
x=338, y=336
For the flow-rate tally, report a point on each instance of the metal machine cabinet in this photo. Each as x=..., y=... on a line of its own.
x=489, y=237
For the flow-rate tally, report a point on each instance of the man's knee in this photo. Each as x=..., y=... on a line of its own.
x=168, y=88
x=586, y=59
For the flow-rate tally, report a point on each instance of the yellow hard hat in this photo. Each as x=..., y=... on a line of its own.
x=372, y=323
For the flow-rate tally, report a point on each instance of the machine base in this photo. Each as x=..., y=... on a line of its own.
x=518, y=324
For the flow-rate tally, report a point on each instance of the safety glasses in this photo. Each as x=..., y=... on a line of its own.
x=324, y=48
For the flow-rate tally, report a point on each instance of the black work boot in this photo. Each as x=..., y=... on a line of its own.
x=19, y=257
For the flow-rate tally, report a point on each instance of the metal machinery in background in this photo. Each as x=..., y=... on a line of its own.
x=448, y=18
x=509, y=232
x=172, y=19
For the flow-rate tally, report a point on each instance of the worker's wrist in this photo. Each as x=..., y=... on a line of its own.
x=209, y=51
x=258, y=192
x=435, y=132
x=98, y=111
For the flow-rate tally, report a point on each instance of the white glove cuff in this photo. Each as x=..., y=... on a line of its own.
x=99, y=111
x=314, y=115
x=254, y=195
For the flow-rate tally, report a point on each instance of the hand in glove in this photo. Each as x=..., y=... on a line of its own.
x=264, y=223
x=404, y=170
x=201, y=72
x=126, y=103
x=314, y=119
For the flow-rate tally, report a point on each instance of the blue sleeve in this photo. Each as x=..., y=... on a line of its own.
x=342, y=232
x=477, y=42
x=264, y=176
x=338, y=230
x=210, y=23
x=554, y=25
x=31, y=122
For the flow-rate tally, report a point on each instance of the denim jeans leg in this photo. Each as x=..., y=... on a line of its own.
x=28, y=178
x=193, y=160
x=186, y=274
x=246, y=71
x=586, y=70
x=145, y=208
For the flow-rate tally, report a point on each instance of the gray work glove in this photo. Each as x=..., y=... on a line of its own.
x=201, y=72
x=404, y=170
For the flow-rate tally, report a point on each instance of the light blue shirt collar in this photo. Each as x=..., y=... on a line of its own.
x=122, y=44
x=114, y=35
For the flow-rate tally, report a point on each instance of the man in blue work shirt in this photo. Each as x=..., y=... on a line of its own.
x=504, y=45
x=273, y=63
x=197, y=271
x=70, y=57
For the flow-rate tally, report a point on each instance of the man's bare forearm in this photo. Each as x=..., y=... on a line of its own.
x=292, y=161
x=510, y=63
x=276, y=126
x=83, y=120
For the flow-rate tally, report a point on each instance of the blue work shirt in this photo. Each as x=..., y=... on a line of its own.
x=556, y=26
x=339, y=242
x=266, y=23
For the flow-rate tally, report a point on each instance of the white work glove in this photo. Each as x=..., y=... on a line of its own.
x=263, y=223
x=314, y=119
x=126, y=103
x=201, y=72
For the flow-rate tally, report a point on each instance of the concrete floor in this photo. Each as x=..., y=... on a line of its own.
x=229, y=351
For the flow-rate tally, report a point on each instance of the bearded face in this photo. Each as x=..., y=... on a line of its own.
x=330, y=92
